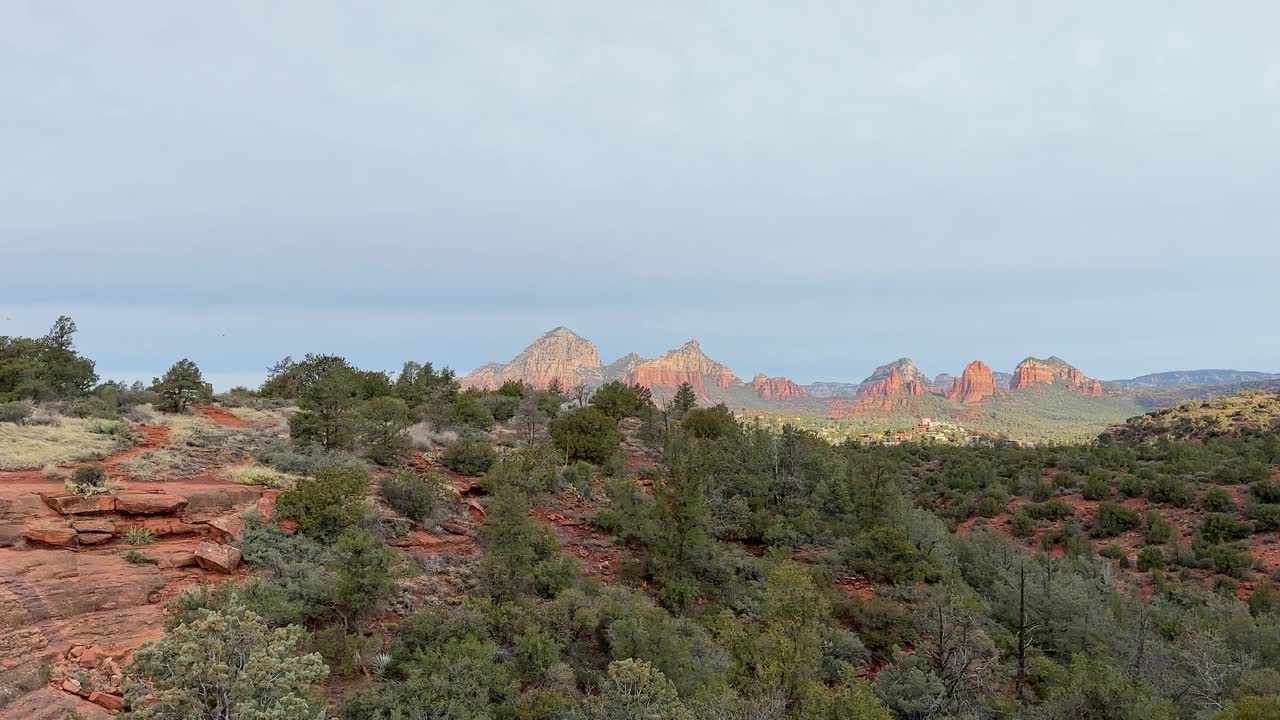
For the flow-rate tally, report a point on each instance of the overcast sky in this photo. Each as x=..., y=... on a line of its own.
x=809, y=188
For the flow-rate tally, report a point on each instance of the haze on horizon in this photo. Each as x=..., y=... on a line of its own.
x=810, y=190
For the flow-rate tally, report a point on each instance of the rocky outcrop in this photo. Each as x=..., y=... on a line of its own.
x=560, y=355
x=889, y=384
x=149, y=503
x=686, y=364
x=824, y=390
x=776, y=388
x=81, y=505
x=1034, y=371
x=974, y=385
x=619, y=369
x=219, y=558
x=57, y=534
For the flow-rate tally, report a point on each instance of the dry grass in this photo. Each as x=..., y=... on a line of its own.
x=197, y=445
x=256, y=415
x=256, y=474
x=69, y=440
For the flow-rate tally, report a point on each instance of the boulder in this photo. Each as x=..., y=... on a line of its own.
x=226, y=528
x=51, y=534
x=81, y=505
x=114, y=703
x=149, y=503
x=219, y=558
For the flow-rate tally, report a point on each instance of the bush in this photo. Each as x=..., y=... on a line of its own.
x=328, y=503
x=1132, y=486
x=1217, y=500
x=1050, y=510
x=133, y=557
x=1266, y=491
x=1151, y=558
x=1112, y=552
x=886, y=554
x=619, y=400
x=15, y=412
x=578, y=477
x=1265, y=517
x=1022, y=525
x=468, y=412
x=586, y=434
x=469, y=456
x=710, y=423
x=88, y=480
x=412, y=495
x=1169, y=490
x=1221, y=527
x=1157, y=530
x=1095, y=488
x=1114, y=519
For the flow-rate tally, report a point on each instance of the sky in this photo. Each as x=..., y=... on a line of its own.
x=811, y=189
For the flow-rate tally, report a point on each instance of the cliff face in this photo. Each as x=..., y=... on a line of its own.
x=1034, y=371
x=685, y=364
x=621, y=368
x=558, y=355
x=892, y=382
x=776, y=388
x=974, y=384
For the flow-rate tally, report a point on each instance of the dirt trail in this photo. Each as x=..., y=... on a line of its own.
x=221, y=416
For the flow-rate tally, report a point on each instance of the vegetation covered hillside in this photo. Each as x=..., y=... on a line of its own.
x=414, y=550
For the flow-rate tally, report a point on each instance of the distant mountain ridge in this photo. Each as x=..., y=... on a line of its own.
x=1186, y=378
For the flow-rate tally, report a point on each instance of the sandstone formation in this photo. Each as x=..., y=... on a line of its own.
x=776, y=388
x=686, y=364
x=219, y=558
x=890, y=384
x=1034, y=371
x=560, y=354
x=149, y=503
x=975, y=384
x=619, y=369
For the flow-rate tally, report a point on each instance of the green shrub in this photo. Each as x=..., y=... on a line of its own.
x=1265, y=516
x=990, y=507
x=1151, y=558
x=1265, y=491
x=1022, y=524
x=619, y=400
x=469, y=456
x=133, y=557
x=1112, y=552
x=886, y=554
x=1132, y=486
x=139, y=536
x=578, y=477
x=586, y=434
x=15, y=412
x=1050, y=510
x=412, y=495
x=1095, y=488
x=331, y=501
x=1169, y=490
x=88, y=480
x=1041, y=492
x=1221, y=527
x=1227, y=560
x=468, y=412
x=1217, y=500
x=1114, y=519
x=1156, y=529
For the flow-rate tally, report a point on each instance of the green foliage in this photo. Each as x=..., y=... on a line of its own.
x=133, y=557
x=684, y=400
x=1221, y=527
x=181, y=385
x=1169, y=490
x=1055, y=509
x=634, y=689
x=331, y=501
x=382, y=424
x=1265, y=491
x=15, y=412
x=1217, y=500
x=363, y=574
x=469, y=456
x=88, y=480
x=1251, y=707
x=1095, y=488
x=46, y=368
x=1151, y=558
x=710, y=423
x=522, y=556
x=619, y=400
x=224, y=664
x=586, y=434
x=1114, y=519
x=289, y=379
x=886, y=554
x=1156, y=530
x=1093, y=687
x=469, y=413
x=326, y=409
x=139, y=536
x=412, y=495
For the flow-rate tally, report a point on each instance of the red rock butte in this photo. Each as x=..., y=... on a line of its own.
x=776, y=388
x=686, y=364
x=974, y=385
x=1034, y=371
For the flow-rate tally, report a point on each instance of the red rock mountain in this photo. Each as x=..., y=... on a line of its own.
x=685, y=364
x=560, y=354
x=890, y=386
x=776, y=388
x=974, y=384
x=1034, y=371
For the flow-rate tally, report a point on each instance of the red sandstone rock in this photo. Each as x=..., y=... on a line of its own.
x=776, y=388
x=162, y=526
x=149, y=503
x=560, y=354
x=219, y=558
x=94, y=526
x=48, y=533
x=685, y=364
x=92, y=538
x=1033, y=371
x=81, y=505
x=975, y=384
x=110, y=702
x=226, y=528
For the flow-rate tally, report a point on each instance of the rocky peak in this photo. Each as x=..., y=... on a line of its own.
x=622, y=367
x=893, y=378
x=1035, y=371
x=559, y=354
x=684, y=364
x=975, y=384
x=776, y=388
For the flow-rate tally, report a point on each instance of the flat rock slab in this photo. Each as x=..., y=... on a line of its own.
x=81, y=505
x=94, y=526
x=51, y=704
x=149, y=503
x=92, y=538
x=51, y=534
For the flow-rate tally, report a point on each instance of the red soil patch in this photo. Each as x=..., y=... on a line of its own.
x=568, y=519
x=861, y=588
x=222, y=417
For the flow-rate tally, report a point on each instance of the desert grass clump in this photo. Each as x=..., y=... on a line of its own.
x=133, y=557
x=260, y=475
x=139, y=536
x=15, y=412
x=45, y=439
